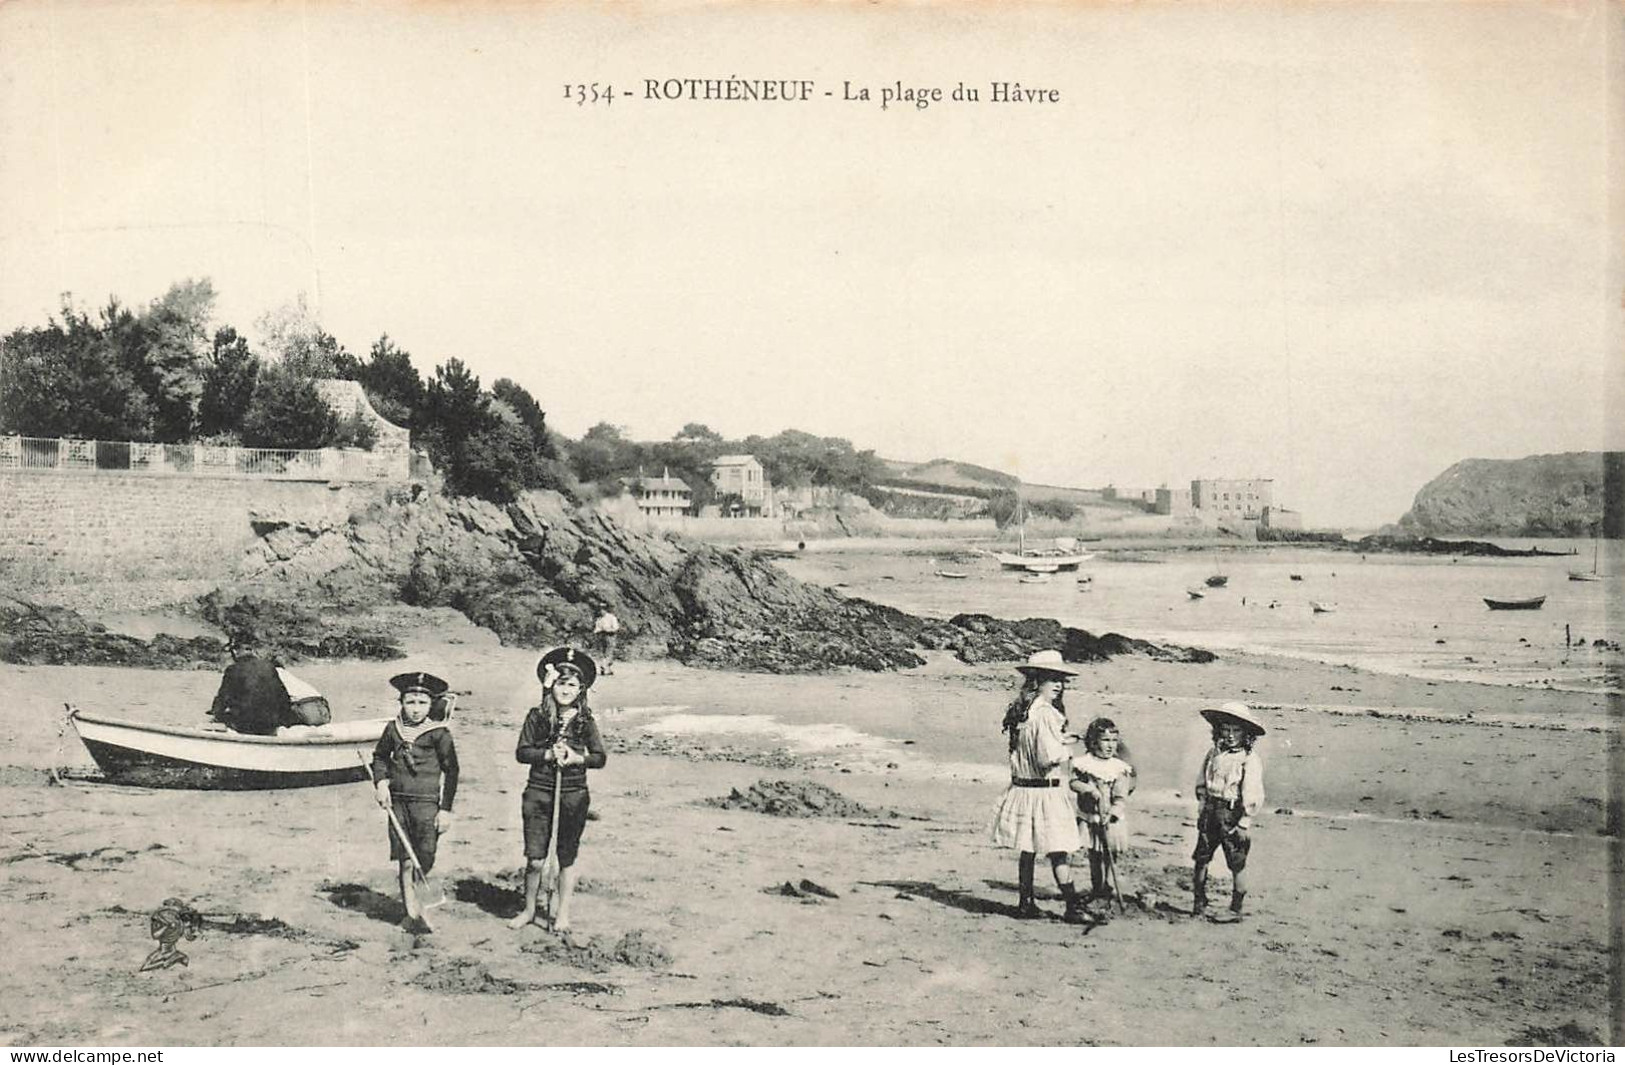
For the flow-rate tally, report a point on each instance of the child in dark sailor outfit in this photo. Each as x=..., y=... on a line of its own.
x=560, y=742
x=415, y=770
x=1230, y=790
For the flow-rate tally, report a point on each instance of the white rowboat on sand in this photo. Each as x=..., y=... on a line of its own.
x=169, y=756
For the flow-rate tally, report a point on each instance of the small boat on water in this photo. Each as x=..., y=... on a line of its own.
x=1042, y=561
x=1595, y=574
x=1533, y=603
x=1195, y=593
x=1294, y=577
x=952, y=574
x=1218, y=580
x=1323, y=608
x=170, y=756
x=1035, y=578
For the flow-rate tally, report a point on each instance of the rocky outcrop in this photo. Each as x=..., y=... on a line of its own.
x=1542, y=495
x=536, y=572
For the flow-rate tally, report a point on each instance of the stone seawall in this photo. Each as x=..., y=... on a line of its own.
x=112, y=525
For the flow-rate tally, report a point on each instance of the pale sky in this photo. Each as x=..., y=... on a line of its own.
x=1340, y=245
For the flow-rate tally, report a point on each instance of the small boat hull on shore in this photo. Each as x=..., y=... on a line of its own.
x=1534, y=603
x=953, y=575
x=166, y=756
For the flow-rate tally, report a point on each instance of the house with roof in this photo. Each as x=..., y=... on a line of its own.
x=664, y=496
x=744, y=477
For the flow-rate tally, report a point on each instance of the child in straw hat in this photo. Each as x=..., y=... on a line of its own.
x=1229, y=791
x=1035, y=814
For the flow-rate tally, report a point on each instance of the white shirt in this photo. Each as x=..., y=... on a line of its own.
x=1229, y=775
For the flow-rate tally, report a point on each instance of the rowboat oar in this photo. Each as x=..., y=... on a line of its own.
x=550, y=868
x=434, y=894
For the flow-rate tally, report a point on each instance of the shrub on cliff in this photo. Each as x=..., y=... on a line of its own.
x=287, y=411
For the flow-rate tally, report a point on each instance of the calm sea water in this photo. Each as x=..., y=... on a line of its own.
x=1422, y=616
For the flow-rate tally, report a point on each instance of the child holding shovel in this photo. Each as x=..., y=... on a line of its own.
x=560, y=742
x=1103, y=782
x=1230, y=790
x=414, y=771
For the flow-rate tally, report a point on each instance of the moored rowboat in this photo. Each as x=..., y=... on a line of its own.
x=1515, y=604
x=168, y=756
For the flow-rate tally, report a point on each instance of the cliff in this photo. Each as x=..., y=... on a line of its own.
x=1541, y=495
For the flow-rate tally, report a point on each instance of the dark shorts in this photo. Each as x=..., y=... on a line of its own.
x=417, y=818
x=537, y=807
x=1213, y=832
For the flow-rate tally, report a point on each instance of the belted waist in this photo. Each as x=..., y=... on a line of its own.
x=1034, y=782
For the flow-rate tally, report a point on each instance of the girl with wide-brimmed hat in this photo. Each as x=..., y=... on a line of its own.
x=1035, y=813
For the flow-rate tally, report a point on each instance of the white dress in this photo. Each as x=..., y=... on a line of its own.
x=1115, y=778
x=1038, y=820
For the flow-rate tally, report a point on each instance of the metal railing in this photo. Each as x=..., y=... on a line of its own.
x=201, y=460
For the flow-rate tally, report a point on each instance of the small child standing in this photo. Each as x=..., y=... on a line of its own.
x=1230, y=790
x=414, y=769
x=1102, y=782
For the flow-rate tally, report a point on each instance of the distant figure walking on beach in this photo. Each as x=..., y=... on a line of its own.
x=560, y=742
x=414, y=771
x=1035, y=814
x=1229, y=791
x=606, y=631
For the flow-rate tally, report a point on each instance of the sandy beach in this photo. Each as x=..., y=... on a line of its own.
x=1422, y=877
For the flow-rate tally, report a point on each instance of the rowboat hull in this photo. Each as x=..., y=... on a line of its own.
x=162, y=756
x=1043, y=563
x=1516, y=604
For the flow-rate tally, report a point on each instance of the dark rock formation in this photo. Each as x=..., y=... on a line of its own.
x=1542, y=495
x=536, y=572
x=35, y=635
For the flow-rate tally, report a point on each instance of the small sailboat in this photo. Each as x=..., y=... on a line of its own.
x=1594, y=575
x=1218, y=580
x=1038, y=561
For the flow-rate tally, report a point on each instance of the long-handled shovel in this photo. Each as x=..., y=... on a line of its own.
x=430, y=894
x=550, y=868
x=1111, y=867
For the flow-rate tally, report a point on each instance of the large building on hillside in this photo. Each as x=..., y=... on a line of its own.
x=742, y=476
x=1245, y=498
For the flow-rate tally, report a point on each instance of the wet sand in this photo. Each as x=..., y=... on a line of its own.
x=1422, y=877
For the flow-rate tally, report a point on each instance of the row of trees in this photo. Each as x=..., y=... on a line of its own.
x=156, y=374
x=159, y=373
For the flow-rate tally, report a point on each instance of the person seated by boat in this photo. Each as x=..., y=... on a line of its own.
x=252, y=698
x=415, y=771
